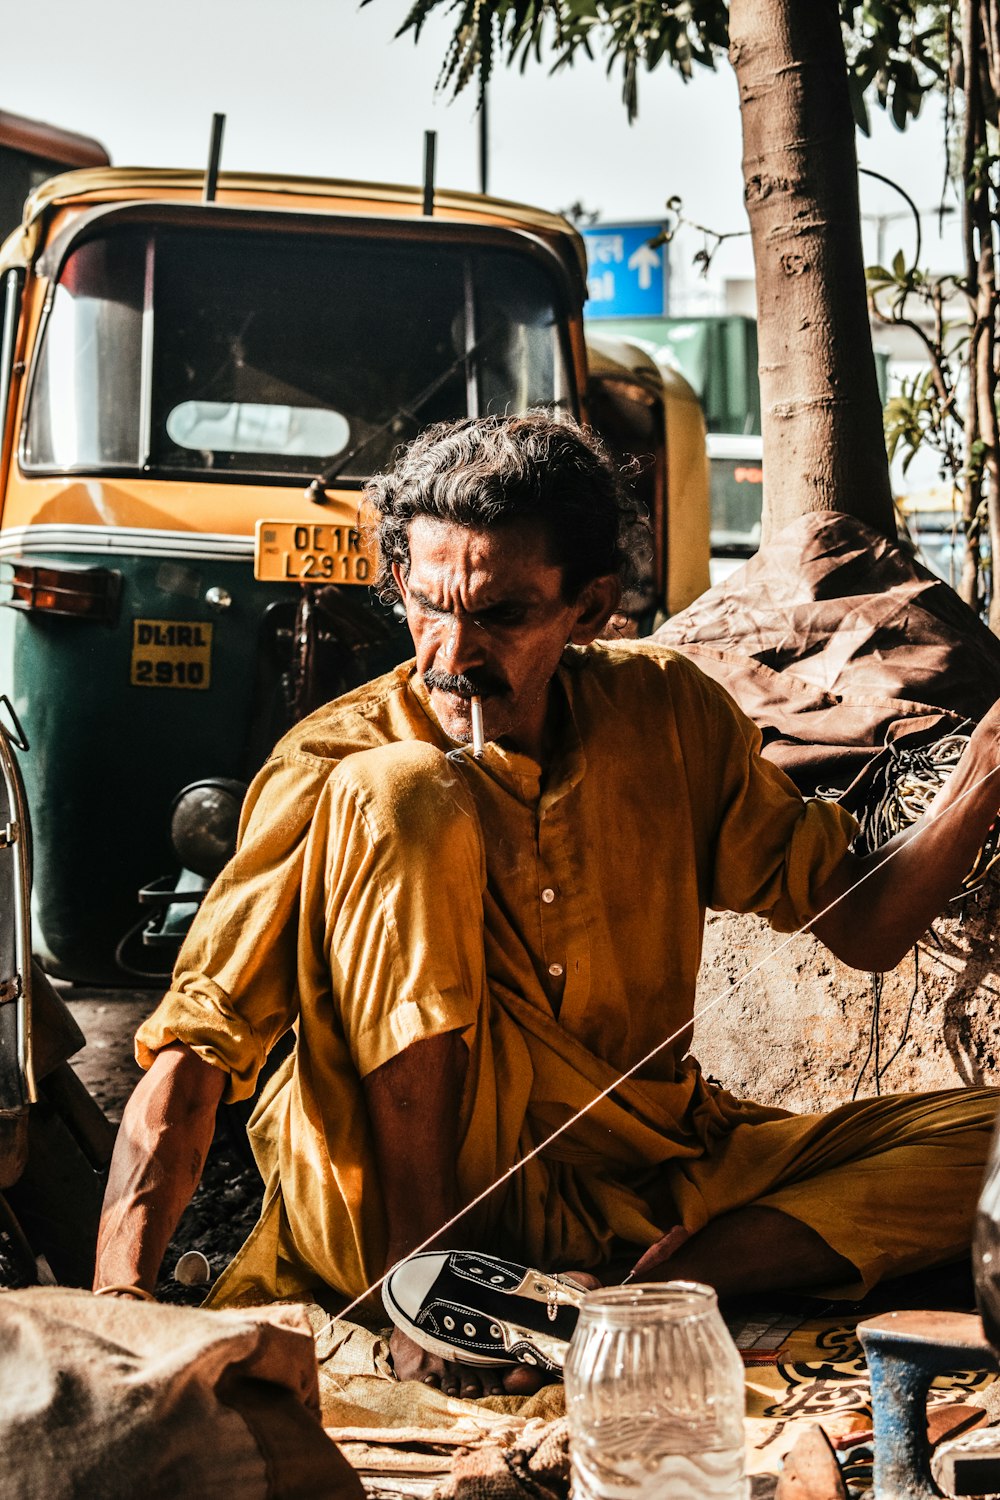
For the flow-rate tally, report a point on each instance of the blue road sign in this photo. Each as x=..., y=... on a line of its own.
x=626, y=277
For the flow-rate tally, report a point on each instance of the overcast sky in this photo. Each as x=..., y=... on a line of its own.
x=321, y=87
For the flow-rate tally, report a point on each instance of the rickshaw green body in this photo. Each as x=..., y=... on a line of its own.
x=107, y=761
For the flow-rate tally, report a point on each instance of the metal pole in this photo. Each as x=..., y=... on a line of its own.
x=484, y=142
x=214, y=153
x=430, y=143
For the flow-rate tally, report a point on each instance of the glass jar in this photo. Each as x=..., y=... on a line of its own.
x=655, y=1396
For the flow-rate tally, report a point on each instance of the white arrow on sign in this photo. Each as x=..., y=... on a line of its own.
x=644, y=260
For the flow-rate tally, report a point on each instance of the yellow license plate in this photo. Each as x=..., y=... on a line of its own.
x=171, y=653
x=310, y=552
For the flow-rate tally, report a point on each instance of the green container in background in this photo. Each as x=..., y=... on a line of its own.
x=717, y=355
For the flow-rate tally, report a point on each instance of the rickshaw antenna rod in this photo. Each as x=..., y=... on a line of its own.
x=214, y=154
x=430, y=145
x=484, y=140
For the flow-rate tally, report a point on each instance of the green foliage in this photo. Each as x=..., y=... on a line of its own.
x=910, y=417
x=982, y=175
x=898, y=51
x=924, y=413
x=636, y=33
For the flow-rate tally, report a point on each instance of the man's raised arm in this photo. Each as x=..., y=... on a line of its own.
x=889, y=898
x=158, y=1160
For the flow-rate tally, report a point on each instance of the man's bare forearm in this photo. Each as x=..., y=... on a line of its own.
x=886, y=900
x=158, y=1160
x=413, y=1104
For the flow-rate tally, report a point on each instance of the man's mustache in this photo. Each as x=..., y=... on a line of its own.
x=464, y=685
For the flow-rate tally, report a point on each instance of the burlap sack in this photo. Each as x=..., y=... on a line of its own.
x=103, y=1398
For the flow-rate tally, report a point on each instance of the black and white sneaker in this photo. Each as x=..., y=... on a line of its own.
x=481, y=1310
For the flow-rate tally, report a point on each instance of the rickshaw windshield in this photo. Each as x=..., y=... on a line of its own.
x=210, y=353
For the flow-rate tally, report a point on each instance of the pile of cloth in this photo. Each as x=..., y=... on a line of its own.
x=107, y=1398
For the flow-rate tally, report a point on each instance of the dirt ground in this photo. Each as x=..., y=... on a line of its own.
x=225, y=1207
x=783, y=1022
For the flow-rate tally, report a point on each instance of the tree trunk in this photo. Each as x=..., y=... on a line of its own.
x=822, y=417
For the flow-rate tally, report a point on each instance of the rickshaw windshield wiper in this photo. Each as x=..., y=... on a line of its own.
x=410, y=409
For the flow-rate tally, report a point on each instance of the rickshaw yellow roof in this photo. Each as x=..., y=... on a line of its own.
x=609, y=355
x=605, y=354
x=249, y=189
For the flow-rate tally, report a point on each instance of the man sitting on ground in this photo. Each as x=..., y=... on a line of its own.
x=471, y=950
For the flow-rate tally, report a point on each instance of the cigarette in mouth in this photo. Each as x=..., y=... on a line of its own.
x=478, y=740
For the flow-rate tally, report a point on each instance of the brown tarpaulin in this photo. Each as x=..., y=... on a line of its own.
x=833, y=640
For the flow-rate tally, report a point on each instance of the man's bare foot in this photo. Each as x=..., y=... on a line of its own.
x=410, y=1362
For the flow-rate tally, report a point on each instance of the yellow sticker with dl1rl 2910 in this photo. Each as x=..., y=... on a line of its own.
x=171, y=653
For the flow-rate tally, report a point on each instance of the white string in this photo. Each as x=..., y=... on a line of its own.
x=660, y=1047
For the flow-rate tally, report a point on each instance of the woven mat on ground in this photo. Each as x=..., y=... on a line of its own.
x=819, y=1375
x=810, y=1373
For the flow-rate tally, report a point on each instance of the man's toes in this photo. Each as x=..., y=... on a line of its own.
x=492, y=1380
x=455, y=1379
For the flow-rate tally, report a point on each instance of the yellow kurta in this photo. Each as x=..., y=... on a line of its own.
x=382, y=894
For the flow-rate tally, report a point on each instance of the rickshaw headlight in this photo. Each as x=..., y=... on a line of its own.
x=203, y=824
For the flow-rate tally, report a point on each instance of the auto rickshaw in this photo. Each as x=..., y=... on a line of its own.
x=192, y=395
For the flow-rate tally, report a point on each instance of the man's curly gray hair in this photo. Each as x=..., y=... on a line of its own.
x=538, y=467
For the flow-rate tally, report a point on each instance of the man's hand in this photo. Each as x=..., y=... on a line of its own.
x=912, y=878
x=158, y=1160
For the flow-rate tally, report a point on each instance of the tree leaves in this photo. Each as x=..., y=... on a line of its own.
x=897, y=50
x=635, y=34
